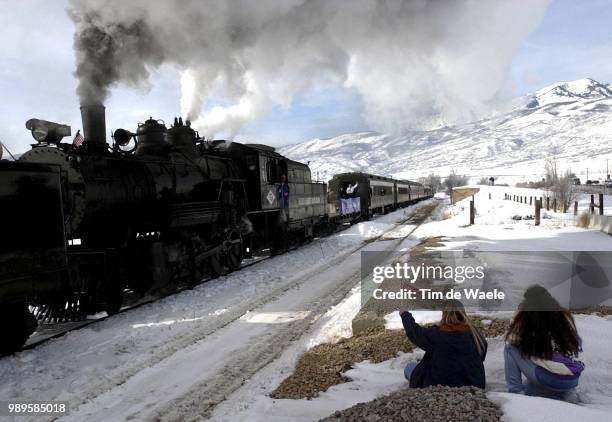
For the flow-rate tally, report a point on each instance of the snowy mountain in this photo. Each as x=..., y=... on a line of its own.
x=571, y=121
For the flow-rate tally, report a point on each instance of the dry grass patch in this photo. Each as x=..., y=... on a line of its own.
x=583, y=220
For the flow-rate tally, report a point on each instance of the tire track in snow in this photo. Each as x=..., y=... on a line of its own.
x=189, y=338
x=204, y=396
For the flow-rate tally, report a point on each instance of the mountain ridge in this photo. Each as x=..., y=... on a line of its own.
x=569, y=121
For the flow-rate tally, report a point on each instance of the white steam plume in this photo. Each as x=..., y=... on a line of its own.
x=415, y=62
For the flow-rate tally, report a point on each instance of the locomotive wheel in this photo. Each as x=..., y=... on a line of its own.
x=17, y=323
x=280, y=237
x=113, y=298
x=234, y=251
x=214, y=267
x=113, y=284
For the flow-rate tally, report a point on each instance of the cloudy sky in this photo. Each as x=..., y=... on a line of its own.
x=37, y=64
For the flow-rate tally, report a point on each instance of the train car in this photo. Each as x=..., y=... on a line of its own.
x=382, y=194
x=354, y=196
x=348, y=197
x=408, y=192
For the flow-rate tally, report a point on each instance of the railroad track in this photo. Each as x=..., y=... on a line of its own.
x=202, y=399
x=118, y=378
x=49, y=331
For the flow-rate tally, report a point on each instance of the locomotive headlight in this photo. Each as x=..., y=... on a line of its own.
x=40, y=133
x=44, y=131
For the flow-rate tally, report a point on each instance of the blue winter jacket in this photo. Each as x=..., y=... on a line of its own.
x=451, y=357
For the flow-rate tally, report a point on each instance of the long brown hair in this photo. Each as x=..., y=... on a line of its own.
x=542, y=326
x=454, y=313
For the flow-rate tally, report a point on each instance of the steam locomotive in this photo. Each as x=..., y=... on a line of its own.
x=81, y=224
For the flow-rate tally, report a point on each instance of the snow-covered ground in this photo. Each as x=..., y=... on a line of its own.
x=494, y=230
x=220, y=349
x=584, y=200
x=570, y=121
x=200, y=344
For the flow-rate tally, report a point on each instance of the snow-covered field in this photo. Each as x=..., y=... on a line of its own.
x=570, y=121
x=218, y=350
x=494, y=230
x=584, y=200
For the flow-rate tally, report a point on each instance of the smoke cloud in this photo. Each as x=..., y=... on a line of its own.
x=414, y=63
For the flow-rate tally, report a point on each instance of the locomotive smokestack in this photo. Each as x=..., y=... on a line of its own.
x=94, y=124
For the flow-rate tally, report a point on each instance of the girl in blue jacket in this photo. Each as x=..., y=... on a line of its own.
x=454, y=351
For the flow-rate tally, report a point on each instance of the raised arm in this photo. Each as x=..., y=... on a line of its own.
x=422, y=337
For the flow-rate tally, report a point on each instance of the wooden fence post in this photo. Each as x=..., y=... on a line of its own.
x=601, y=204
x=592, y=205
x=555, y=204
x=472, y=211
x=575, y=207
x=530, y=200
x=548, y=203
x=538, y=206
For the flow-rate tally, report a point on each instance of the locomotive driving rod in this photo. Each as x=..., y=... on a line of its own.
x=223, y=246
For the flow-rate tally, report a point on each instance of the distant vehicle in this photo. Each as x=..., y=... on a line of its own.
x=595, y=182
x=576, y=180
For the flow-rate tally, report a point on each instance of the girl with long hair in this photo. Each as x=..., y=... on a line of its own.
x=542, y=344
x=454, y=351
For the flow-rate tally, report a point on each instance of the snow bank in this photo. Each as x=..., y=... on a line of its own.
x=519, y=408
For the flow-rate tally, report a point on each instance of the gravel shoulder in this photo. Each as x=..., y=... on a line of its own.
x=323, y=365
x=424, y=404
